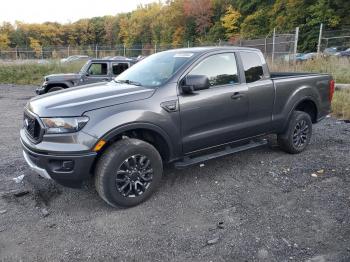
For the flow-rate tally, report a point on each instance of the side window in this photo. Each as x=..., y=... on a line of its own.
x=119, y=68
x=253, y=68
x=220, y=69
x=98, y=69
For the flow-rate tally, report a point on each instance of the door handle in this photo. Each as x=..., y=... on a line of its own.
x=237, y=95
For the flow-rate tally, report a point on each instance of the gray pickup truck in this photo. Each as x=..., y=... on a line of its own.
x=181, y=106
x=95, y=70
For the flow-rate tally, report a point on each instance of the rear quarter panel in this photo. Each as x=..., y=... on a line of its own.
x=290, y=91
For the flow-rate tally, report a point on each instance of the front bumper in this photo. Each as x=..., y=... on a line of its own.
x=66, y=169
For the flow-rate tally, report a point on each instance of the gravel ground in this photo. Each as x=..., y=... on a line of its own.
x=258, y=205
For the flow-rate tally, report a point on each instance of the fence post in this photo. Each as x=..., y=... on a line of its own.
x=96, y=51
x=296, y=38
x=265, y=53
x=155, y=48
x=68, y=50
x=273, y=46
x=16, y=52
x=319, y=40
x=42, y=53
x=188, y=44
x=124, y=50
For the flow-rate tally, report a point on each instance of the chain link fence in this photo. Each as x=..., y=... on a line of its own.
x=334, y=38
x=275, y=46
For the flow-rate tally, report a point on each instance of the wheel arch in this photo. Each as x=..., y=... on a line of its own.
x=63, y=85
x=308, y=105
x=144, y=131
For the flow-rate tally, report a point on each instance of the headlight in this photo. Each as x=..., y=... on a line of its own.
x=59, y=125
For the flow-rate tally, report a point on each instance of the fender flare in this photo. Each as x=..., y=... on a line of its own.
x=307, y=98
x=59, y=83
x=140, y=125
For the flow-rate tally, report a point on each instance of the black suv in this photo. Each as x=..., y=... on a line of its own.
x=95, y=70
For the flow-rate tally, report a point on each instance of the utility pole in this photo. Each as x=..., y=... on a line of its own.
x=273, y=45
x=319, y=40
x=296, y=38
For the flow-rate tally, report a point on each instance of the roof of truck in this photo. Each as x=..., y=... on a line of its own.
x=112, y=60
x=213, y=48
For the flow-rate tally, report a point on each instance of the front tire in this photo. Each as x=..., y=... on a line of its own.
x=128, y=172
x=298, y=133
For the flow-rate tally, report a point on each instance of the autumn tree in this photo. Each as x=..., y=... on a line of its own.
x=201, y=11
x=230, y=21
x=4, y=41
x=35, y=46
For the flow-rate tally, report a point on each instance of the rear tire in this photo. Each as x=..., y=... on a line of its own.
x=55, y=88
x=298, y=133
x=128, y=172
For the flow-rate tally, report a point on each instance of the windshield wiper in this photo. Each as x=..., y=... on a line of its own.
x=128, y=82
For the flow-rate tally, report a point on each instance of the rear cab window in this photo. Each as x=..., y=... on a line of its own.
x=252, y=65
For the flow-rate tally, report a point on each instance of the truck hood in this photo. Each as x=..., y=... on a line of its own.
x=77, y=100
x=62, y=77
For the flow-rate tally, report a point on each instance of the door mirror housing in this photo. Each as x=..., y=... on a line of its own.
x=193, y=83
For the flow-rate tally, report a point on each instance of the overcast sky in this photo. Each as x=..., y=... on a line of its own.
x=63, y=11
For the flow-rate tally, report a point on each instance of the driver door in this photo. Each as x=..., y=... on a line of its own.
x=97, y=72
x=215, y=115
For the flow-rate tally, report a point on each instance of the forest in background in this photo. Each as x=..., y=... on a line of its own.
x=177, y=22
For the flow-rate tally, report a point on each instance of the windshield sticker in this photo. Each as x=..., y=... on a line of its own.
x=183, y=55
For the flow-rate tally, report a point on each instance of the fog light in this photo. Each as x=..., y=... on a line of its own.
x=67, y=165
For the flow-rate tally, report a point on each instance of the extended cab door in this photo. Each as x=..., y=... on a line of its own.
x=216, y=115
x=97, y=72
x=261, y=93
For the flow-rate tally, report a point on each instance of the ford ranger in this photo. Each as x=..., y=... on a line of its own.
x=181, y=106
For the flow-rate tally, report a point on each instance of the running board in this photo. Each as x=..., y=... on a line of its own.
x=188, y=161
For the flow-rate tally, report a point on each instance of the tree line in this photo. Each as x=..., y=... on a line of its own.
x=177, y=22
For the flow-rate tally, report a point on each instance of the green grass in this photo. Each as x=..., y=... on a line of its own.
x=341, y=104
x=33, y=73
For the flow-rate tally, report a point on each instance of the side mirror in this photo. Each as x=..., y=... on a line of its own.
x=87, y=74
x=193, y=83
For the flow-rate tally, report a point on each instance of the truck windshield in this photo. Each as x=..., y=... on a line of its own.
x=84, y=69
x=156, y=69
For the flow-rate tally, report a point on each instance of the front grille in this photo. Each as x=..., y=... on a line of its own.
x=32, y=126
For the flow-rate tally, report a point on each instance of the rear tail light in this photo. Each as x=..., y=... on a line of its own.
x=331, y=90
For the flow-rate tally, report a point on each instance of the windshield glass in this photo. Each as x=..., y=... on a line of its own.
x=156, y=69
x=84, y=69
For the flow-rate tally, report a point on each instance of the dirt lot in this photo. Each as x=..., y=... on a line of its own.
x=259, y=205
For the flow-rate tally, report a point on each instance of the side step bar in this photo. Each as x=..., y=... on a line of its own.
x=188, y=161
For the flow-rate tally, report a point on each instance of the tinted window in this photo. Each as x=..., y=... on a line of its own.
x=253, y=67
x=119, y=68
x=220, y=69
x=97, y=69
